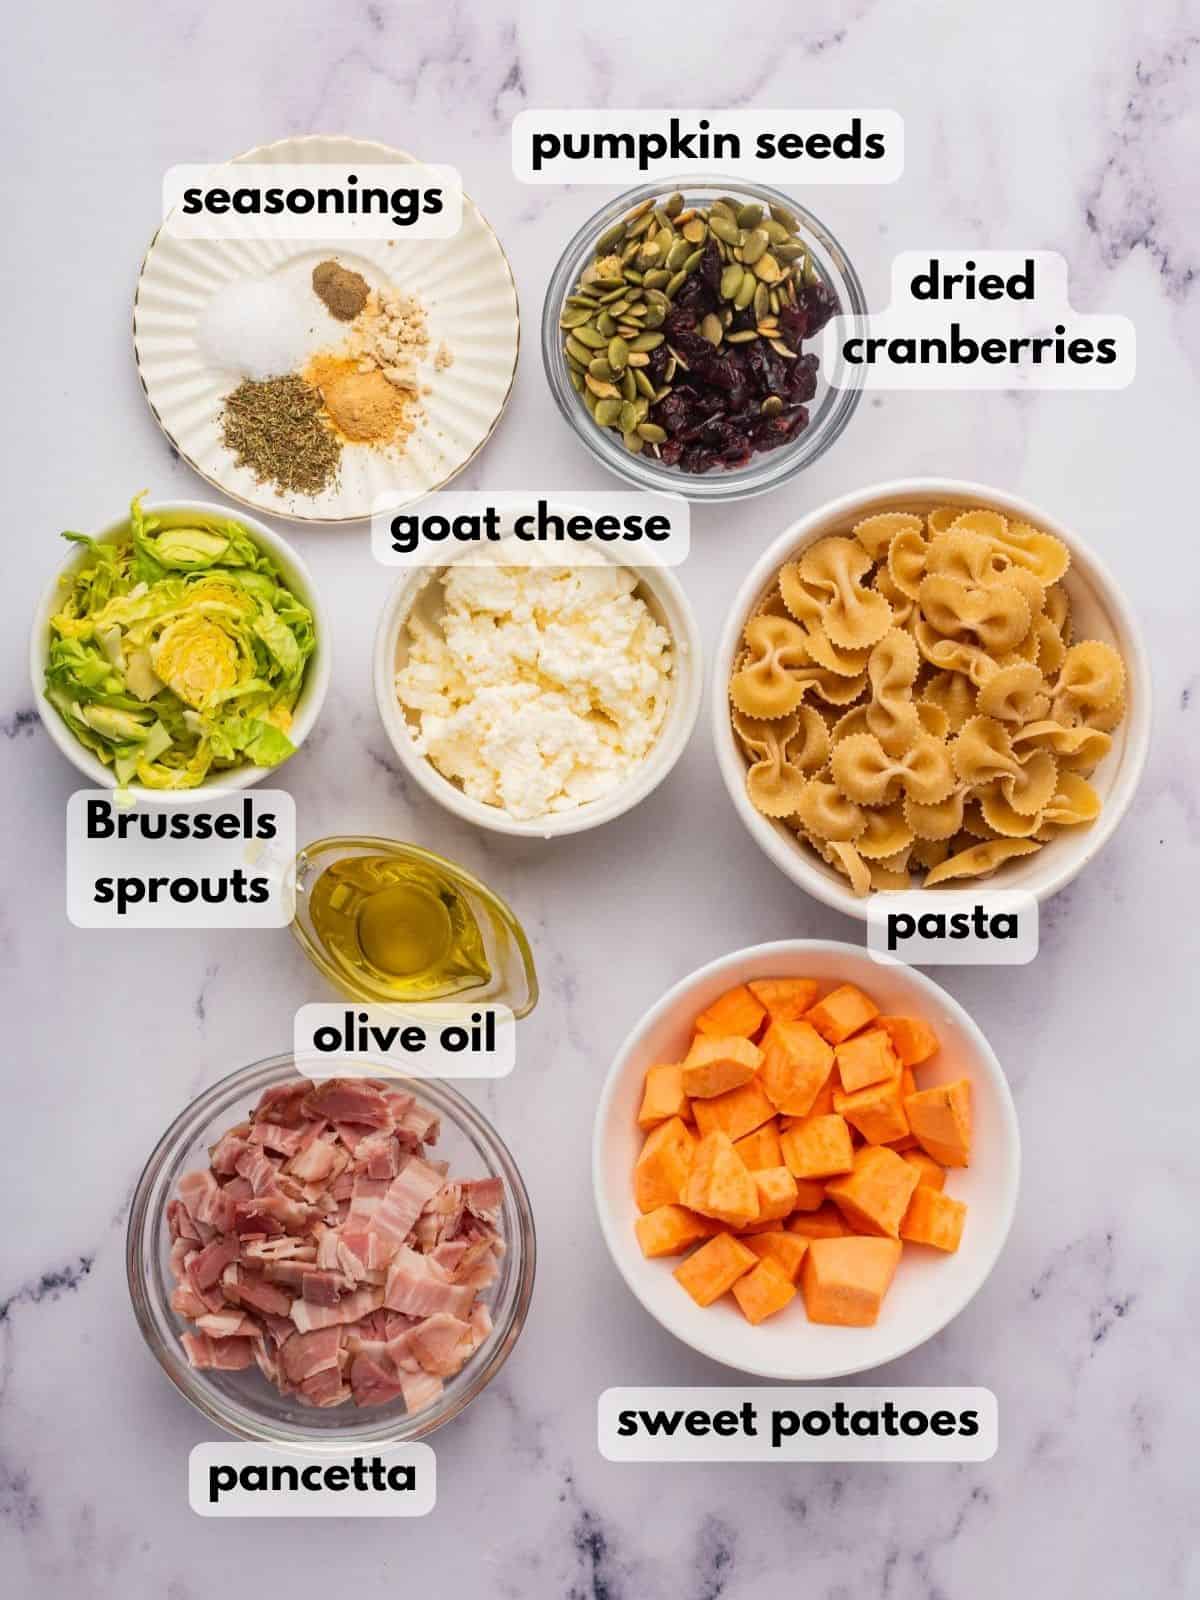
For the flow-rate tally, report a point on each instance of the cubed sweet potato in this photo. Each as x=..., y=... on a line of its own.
x=712, y=1271
x=764, y=1291
x=826, y=1222
x=941, y=1120
x=809, y=1194
x=874, y=1197
x=796, y=1063
x=669, y=1230
x=737, y=1112
x=735, y=1012
x=786, y=1248
x=784, y=999
x=662, y=1096
x=842, y=1012
x=760, y=1148
x=818, y=1147
x=844, y=1280
x=662, y=1167
x=913, y=1039
x=718, y=1184
x=929, y=1174
x=876, y=1111
x=933, y=1218
x=717, y=1063
x=776, y=1193
x=866, y=1058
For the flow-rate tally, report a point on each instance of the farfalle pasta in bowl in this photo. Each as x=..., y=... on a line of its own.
x=930, y=682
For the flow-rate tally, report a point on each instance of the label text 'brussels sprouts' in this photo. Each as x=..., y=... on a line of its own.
x=154, y=864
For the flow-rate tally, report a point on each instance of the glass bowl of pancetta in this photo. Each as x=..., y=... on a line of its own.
x=329, y=1264
x=926, y=683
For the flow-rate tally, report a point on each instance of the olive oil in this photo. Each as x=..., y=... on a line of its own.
x=398, y=928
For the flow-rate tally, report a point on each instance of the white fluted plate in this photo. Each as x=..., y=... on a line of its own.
x=465, y=285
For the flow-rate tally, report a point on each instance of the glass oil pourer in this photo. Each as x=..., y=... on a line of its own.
x=393, y=923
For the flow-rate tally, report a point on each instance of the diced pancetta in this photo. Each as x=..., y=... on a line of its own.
x=323, y=1246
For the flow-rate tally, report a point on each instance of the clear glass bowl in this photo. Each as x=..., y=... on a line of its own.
x=244, y=1403
x=829, y=410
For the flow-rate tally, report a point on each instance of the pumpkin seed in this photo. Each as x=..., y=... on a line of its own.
x=693, y=261
x=576, y=381
x=781, y=349
x=731, y=280
x=789, y=252
x=607, y=412
x=723, y=227
x=661, y=394
x=590, y=401
x=578, y=351
x=645, y=387
x=602, y=369
x=775, y=231
x=786, y=218
x=618, y=354
x=695, y=231
x=673, y=204
x=658, y=279
x=675, y=283
x=628, y=417
x=638, y=358
x=652, y=432
x=582, y=300
x=749, y=216
x=588, y=335
x=632, y=275
x=677, y=255
x=639, y=210
x=762, y=302
x=771, y=406
x=609, y=239
x=766, y=269
x=655, y=317
x=722, y=208
x=632, y=442
x=641, y=225
x=647, y=341
x=605, y=325
x=628, y=387
x=745, y=292
x=744, y=337
x=601, y=388
x=574, y=318
x=648, y=256
x=755, y=246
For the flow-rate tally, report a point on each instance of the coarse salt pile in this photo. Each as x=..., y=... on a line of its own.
x=263, y=327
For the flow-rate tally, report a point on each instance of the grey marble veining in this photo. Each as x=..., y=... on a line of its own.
x=1069, y=127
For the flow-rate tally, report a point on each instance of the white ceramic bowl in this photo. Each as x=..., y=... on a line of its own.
x=1099, y=611
x=664, y=595
x=930, y=1288
x=299, y=580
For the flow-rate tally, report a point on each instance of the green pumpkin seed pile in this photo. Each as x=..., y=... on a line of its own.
x=612, y=318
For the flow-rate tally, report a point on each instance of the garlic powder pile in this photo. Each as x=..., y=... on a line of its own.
x=540, y=687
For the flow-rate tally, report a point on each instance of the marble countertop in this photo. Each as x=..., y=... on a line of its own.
x=1066, y=127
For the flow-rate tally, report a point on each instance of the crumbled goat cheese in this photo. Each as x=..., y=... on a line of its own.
x=540, y=687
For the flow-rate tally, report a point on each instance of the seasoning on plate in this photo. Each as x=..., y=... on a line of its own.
x=363, y=406
x=344, y=293
x=276, y=428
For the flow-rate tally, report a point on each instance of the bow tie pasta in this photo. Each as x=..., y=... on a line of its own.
x=912, y=703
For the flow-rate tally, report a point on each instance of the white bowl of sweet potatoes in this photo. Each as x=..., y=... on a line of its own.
x=805, y=1162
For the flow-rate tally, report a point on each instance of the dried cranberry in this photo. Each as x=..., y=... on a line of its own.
x=768, y=370
x=694, y=294
x=656, y=367
x=711, y=267
x=679, y=320
x=793, y=325
x=802, y=379
x=820, y=304
x=670, y=451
